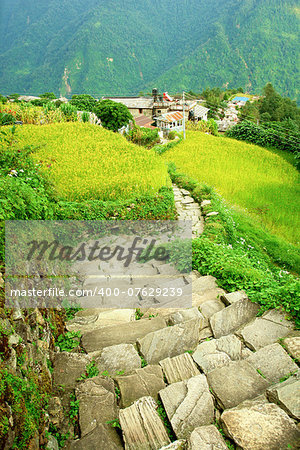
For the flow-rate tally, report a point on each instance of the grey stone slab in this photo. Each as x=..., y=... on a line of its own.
x=273, y=362
x=188, y=404
x=232, y=297
x=142, y=427
x=179, y=368
x=287, y=395
x=233, y=317
x=121, y=357
x=236, y=382
x=99, y=438
x=292, y=346
x=170, y=341
x=210, y=307
x=68, y=367
x=261, y=332
x=203, y=284
x=142, y=383
x=118, y=334
x=102, y=318
x=260, y=426
x=97, y=404
x=212, y=294
x=207, y=438
x=186, y=314
x=217, y=352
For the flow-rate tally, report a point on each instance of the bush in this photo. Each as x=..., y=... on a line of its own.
x=265, y=137
x=7, y=119
x=39, y=102
x=209, y=126
x=3, y=99
x=172, y=135
x=84, y=102
x=113, y=115
x=69, y=111
x=146, y=137
x=85, y=117
x=49, y=95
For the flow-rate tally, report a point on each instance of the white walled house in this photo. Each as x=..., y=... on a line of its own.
x=172, y=121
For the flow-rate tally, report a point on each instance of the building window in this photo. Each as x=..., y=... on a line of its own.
x=141, y=110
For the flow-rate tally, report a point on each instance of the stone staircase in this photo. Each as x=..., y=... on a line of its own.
x=175, y=377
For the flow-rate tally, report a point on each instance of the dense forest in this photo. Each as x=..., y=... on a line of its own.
x=106, y=47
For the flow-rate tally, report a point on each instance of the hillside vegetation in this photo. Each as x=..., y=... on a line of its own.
x=70, y=46
x=252, y=177
x=88, y=162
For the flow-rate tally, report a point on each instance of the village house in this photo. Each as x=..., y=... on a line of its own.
x=136, y=105
x=240, y=101
x=172, y=121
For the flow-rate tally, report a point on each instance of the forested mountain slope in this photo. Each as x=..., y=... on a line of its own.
x=110, y=47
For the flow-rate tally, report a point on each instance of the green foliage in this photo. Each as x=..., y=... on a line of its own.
x=172, y=135
x=265, y=137
x=49, y=95
x=113, y=115
x=69, y=111
x=277, y=108
x=27, y=400
x=3, y=99
x=84, y=102
x=138, y=314
x=91, y=371
x=209, y=126
x=68, y=341
x=146, y=137
x=85, y=117
x=163, y=415
x=74, y=408
x=7, y=119
x=114, y=423
x=60, y=437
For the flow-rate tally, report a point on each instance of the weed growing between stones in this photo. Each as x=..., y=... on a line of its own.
x=163, y=415
x=68, y=341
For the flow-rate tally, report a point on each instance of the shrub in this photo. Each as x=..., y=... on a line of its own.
x=7, y=119
x=85, y=117
x=265, y=137
x=113, y=115
x=209, y=126
x=146, y=137
x=3, y=99
x=69, y=111
x=172, y=135
x=49, y=95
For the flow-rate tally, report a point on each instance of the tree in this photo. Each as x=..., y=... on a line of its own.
x=113, y=115
x=49, y=95
x=84, y=102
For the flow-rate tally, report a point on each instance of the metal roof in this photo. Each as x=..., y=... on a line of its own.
x=200, y=110
x=171, y=117
x=133, y=102
x=144, y=121
x=241, y=99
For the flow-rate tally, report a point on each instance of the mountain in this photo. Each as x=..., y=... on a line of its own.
x=120, y=47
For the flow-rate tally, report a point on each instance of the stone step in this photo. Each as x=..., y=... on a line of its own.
x=141, y=383
x=179, y=368
x=142, y=427
x=287, y=395
x=97, y=405
x=260, y=425
x=265, y=330
x=126, y=333
x=188, y=404
x=233, y=317
x=170, y=341
x=101, y=318
x=236, y=382
x=207, y=438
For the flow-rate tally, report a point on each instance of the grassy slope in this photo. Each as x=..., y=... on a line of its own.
x=262, y=182
x=88, y=162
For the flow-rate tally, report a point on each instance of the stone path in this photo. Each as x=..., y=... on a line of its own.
x=187, y=370
x=188, y=209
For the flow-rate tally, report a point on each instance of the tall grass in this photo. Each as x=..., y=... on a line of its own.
x=256, y=179
x=88, y=162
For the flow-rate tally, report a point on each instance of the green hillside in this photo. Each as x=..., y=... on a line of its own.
x=107, y=47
